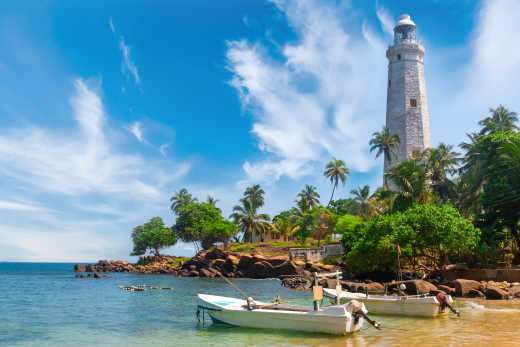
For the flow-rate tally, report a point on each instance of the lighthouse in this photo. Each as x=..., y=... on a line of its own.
x=407, y=105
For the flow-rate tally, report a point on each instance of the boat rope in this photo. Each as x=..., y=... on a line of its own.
x=234, y=286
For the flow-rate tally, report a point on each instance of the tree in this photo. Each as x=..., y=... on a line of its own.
x=180, y=199
x=336, y=172
x=213, y=202
x=344, y=206
x=308, y=198
x=385, y=144
x=439, y=163
x=285, y=226
x=422, y=231
x=362, y=197
x=501, y=119
x=153, y=236
x=253, y=225
x=349, y=227
x=412, y=184
x=201, y=222
x=256, y=195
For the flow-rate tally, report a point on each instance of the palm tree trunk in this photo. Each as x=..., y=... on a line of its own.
x=332, y=195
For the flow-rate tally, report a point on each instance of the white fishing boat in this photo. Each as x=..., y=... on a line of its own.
x=414, y=305
x=337, y=319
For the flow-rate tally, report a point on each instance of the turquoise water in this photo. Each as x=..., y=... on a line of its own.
x=44, y=305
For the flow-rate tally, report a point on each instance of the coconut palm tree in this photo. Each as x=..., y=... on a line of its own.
x=212, y=202
x=336, y=172
x=180, y=199
x=362, y=196
x=285, y=227
x=411, y=182
x=439, y=163
x=256, y=195
x=501, y=119
x=385, y=144
x=308, y=198
x=253, y=225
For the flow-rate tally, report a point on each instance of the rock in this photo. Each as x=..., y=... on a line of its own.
x=496, y=293
x=193, y=273
x=474, y=293
x=260, y=269
x=286, y=269
x=192, y=267
x=275, y=261
x=354, y=287
x=515, y=291
x=206, y=273
x=79, y=268
x=446, y=289
x=217, y=263
x=331, y=283
x=462, y=286
x=79, y=276
x=90, y=268
x=97, y=275
x=375, y=287
x=415, y=286
x=216, y=253
x=231, y=263
x=245, y=262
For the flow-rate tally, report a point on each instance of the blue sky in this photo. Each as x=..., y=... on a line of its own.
x=107, y=108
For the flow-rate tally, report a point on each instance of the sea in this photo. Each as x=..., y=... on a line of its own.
x=42, y=304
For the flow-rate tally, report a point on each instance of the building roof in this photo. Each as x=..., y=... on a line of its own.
x=404, y=19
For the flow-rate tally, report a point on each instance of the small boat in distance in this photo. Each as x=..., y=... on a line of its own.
x=413, y=305
x=337, y=319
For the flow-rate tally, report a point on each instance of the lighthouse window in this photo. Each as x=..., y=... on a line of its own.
x=389, y=83
x=413, y=103
x=399, y=57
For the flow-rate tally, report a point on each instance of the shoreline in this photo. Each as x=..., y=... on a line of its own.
x=297, y=274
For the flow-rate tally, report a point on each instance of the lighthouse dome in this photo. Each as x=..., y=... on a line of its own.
x=404, y=19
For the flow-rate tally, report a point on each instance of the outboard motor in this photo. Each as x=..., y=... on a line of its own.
x=355, y=308
x=443, y=301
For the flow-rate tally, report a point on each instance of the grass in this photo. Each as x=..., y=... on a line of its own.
x=247, y=247
x=178, y=261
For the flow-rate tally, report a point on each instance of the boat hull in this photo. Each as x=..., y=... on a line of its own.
x=328, y=321
x=395, y=305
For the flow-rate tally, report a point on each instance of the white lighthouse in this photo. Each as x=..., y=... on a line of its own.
x=407, y=106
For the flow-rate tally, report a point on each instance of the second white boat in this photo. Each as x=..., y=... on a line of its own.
x=416, y=305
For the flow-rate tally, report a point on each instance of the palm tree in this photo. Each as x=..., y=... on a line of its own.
x=180, y=199
x=253, y=225
x=385, y=144
x=501, y=119
x=256, y=195
x=411, y=182
x=308, y=198
x=212, y=202
x=439, y=163
x=285, y=227
x=336, y=171
x=362, y=196
x=382, y=200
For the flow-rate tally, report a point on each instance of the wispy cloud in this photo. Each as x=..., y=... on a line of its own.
x=385, y=19
x=85, y=171
x=319, y=101
x=137, y=130
x=128, y=67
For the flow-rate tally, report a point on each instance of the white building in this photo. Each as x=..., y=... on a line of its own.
x=407, y=104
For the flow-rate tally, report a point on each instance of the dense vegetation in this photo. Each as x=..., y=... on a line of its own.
x=438, y=206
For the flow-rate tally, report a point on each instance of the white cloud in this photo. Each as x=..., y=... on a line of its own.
x=97, y=190
x=128, y=66
x=137, y=129
x=164, y=148
x=111, y=24
x=322, y=99
x=386, y=19
x=17, y=206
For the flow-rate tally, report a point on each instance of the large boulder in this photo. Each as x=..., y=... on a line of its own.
x=463, y=287
x=231, y=263
x=275, y=261
x=79, y=268
x=90, y=268
x=245, y=261
x=286, y=269
x=217, y=263
x=495, y=293
x=474, y=293
x=217, y=253
x=260, y=269
x=446, y=289
x=415, y=286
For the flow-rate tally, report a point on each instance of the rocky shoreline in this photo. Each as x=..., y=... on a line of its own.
x=294, y=274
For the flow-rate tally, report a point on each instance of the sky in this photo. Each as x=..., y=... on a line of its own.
x=109, y=107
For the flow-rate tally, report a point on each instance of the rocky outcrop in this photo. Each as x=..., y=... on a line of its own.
x=496, y=293
x=79, y=268
x=463, y=287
